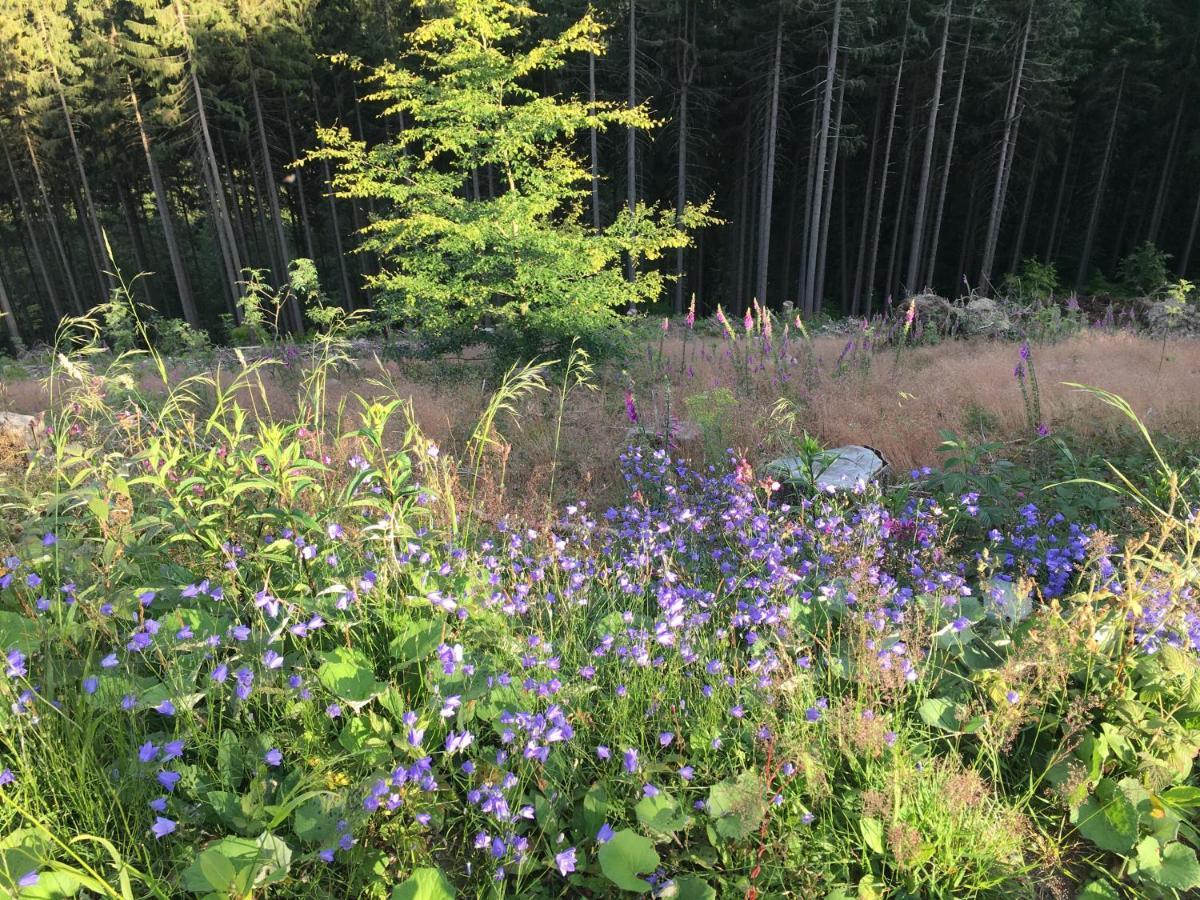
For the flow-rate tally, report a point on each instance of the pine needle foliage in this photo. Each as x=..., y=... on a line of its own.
x=483, y=196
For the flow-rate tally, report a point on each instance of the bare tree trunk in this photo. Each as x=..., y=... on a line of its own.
x=298, y=184
x=1186, y=256
x=768, y=180
x=819, y=293
x=968, y=241
x=809, y=191
x=1006, y=149
x=918, y=228
x=869, y=286
x=10, y=320
x=1060, y=195
x=335, y=225
x=34, y=248
x=1085, y=258
x=935, y=238
x=811, y=276
x=1160, y=198
x=868, y=196
x=135, y=239
x=230, y=257
x=285, y=252
x=595, y=144
x=68, y=274
x=1019, y=244
x=182, y=285
x=631, y=133
x=743, y=220
x=686, y=72
x=889, y=282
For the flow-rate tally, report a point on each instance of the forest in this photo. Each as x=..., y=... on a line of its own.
x=853, y=151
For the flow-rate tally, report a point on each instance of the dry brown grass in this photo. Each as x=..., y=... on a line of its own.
x=899, y=409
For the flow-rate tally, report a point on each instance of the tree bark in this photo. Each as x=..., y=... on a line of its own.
x=918, y=227
x=809, y=191
x=1060, y=194
x=869, y=286
x=10, y=319
x=285, y=254
x=135, y=239
x=595, y=144
x=68, y=274
x=35, y=250
x=298, y=185
x=856, y=298
x=631, y=132
x=1019, y=244
x=770, y=134
x=1003, y=165
x=687, y=71
x=1160, y=198
x=1085, y=258
x=819, y=293
x=935, y=237
x=183, y=287
x=901, y=204
x=811, y=276
x=1186, y=256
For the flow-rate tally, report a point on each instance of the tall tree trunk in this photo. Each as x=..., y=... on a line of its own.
x=10, y=319
x=811, y=276
x=1019, y=244
x=335, y=225
x=96, y=254
x=968, y=240
x=595, y=143
x=687, y=71
x=856, y=298
x=901, y=203
x=1089, y=238
x=810, y=169
x=68, y=274
x=1006, y=149
x=298, y=186
x=1164, y=181
x=869, y=286
x=768, y=179
x=229, y=250
x=826, y=215
x=133, y=226
x=1186, y=256
x=918, y=227
x=34, y=247
x=285, y=253
x=935, y=237
x=182, y=285
x=1060, y=194
x=743, y=220
x=631, y=132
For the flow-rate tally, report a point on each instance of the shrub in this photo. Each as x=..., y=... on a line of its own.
x=522, y=269
x=1143, y=272
x=1036, y=282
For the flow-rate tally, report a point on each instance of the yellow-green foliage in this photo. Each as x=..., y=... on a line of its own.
x=524, y=256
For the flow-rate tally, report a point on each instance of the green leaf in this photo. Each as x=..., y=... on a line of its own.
x=939, y=713
x=1179, y=868
x=689, y=887
x=425, y=884
x=661, y=814
x=415, y=643
x=1108, y=819
x=595, y=808
x=314, y=821
x=238, y=862
x=211, y=871
x=623, y=857
x=19, y=633
x=737, y=805
x=872, y=832
x=1181, y=796
x=52, y=885
x=1098, y=890
x=347, y=675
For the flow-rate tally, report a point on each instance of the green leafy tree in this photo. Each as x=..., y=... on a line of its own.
x=525, y=257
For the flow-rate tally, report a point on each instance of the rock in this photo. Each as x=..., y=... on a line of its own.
x=840, y=469
x=26, y=432
x=933, y=312
x=985, y=316
x=1173, y=317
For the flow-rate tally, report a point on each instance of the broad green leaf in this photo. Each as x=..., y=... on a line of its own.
x=737, y=805
x=1178, y=869
x=940, y=713
x=1098, y=890
x=346, y=674
x=1108, y=819
x=689, y=887
x=872, y=832
x=314, y=821
x=661, y=813
x=415, y=643
x=595, y=808
x=425, y=884
x=18, y=632
x=623, y=857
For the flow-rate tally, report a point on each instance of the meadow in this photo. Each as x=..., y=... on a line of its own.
x=324, y=625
